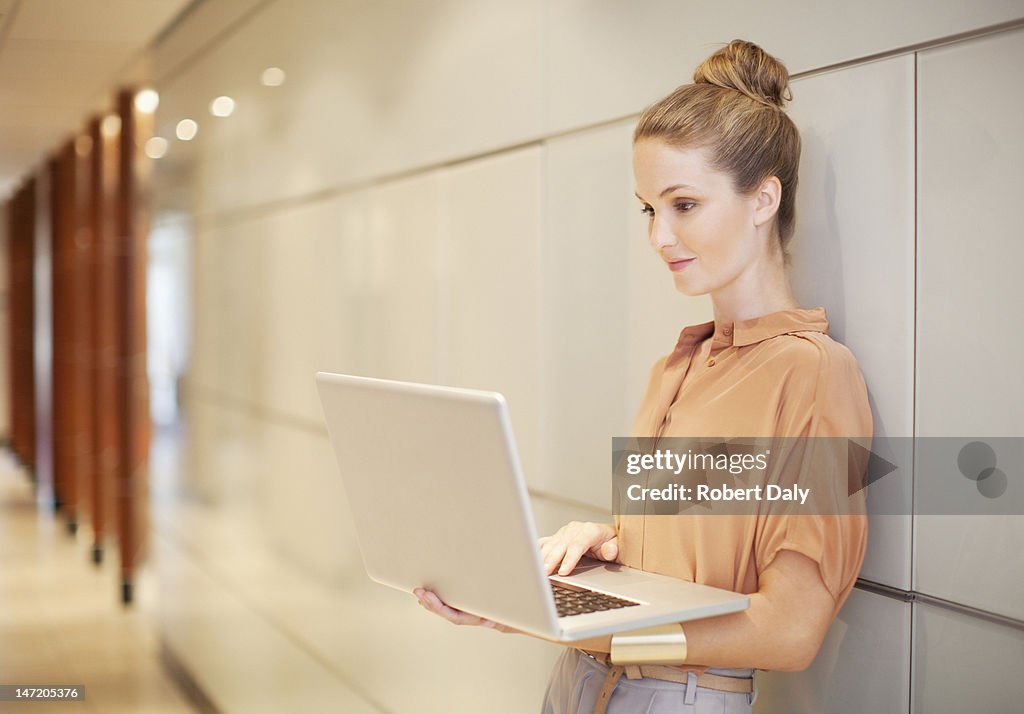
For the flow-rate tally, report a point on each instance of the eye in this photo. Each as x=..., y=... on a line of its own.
x=647, y=210
x=679, y=206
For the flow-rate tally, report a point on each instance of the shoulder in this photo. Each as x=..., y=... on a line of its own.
x=655, y=376
x=658, y=368
x=812, y=353
x=823, y=377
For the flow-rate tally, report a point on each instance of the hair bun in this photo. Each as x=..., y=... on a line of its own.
x=745, y=67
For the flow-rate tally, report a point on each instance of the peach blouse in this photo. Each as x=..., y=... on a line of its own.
x=779, y=374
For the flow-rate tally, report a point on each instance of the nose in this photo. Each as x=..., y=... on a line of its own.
x=661, y=235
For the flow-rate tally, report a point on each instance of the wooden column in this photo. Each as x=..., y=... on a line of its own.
x=80, y=311
x=14, y=319
x=71, y=311
x=104, y=422
x=21, y=212
x=67, y=324
x=11, y=248
x=133, y=394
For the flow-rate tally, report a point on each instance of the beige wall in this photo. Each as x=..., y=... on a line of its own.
x=441, y=192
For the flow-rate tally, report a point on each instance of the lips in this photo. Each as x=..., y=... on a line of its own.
x=679, y=264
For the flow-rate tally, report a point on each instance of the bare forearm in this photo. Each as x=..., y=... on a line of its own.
x=753, y=638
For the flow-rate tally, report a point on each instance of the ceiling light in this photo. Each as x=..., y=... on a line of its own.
x=272, y=77
x=222, y=106
x=186, y=129
x=147, y=101
x=156, y=147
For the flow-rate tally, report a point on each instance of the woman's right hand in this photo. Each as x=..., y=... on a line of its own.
x=432, y=602
x=563, y=550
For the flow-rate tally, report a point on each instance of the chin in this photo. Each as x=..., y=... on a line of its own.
x=688, y=289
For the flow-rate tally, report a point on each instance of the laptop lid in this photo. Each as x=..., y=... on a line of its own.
x=436, y=493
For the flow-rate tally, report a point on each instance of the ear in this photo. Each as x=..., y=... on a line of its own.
x=766, y=200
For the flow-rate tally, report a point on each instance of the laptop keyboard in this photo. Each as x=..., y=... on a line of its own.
x=569, y=601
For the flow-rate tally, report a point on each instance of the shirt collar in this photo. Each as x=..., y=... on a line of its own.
x=756, y=329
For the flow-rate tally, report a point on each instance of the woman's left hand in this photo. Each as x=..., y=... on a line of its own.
x=430, y=601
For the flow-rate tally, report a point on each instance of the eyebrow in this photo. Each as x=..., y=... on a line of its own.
x=669, y=189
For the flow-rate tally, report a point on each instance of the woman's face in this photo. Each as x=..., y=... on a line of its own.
x=706, y=233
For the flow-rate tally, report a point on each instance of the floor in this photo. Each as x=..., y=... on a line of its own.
x=61, y=618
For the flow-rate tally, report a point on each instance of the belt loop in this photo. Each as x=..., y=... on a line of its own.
x=753, y=696
x=610, y=681
x=691, y=688
x=633, y=671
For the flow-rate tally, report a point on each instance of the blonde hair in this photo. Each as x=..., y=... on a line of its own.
x=734, y=109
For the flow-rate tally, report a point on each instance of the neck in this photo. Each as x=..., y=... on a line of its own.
x=761, y=290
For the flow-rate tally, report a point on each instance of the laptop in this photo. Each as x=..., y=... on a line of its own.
x=439, y=501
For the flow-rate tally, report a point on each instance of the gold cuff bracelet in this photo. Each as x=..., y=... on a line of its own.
x=662, y=644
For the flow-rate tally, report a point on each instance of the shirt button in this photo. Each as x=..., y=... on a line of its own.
x=726, y=330
x=710, y=362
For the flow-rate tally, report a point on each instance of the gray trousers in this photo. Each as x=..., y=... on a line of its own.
x=577, y=679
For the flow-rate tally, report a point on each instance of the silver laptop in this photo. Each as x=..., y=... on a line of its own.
x=438, y=500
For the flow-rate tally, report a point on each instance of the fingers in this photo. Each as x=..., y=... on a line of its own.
x=563, y=550
x=609, y=550
x=431, y=602
x=553, y=553
x=502, y=628
x=573, y=553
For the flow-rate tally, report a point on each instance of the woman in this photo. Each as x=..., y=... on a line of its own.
x=715, y=164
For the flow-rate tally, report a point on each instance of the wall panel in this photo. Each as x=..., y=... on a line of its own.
x=970, y=149
x=965, y=663
x=863, y=664
x=585, y=318
x=609, y=59
x=492, y=301
x=467, y=79
x=853, y=253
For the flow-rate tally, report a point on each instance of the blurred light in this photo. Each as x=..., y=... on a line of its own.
x=110, y=126
x=83, y=144
x=147, y=101
x=156, y=147
x=186, y=130
x=222, y=106
x=272, y=77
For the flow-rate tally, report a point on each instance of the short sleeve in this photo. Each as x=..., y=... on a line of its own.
x=825, y=397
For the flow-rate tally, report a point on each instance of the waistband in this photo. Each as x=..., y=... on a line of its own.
x=726, y=672
x=739, y=673
x=722, y=679
x=726, y=680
